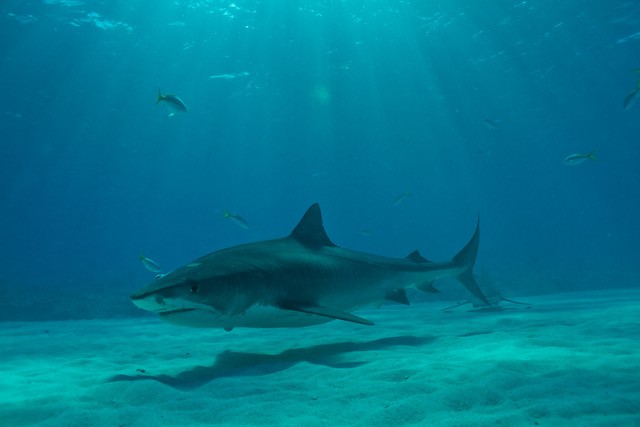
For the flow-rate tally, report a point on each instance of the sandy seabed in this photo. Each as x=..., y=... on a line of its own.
x=570, y=359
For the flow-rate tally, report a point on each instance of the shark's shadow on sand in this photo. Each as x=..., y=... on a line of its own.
x=231, y=363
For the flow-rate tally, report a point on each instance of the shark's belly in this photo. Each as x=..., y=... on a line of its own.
x=254, y=317
x=356, y=289
x=288, y=299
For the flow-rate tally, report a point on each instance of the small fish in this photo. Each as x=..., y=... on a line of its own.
x=632, y=98
x=150, y=264
x=237, y=219
x=229, y=76
x=172, y=102
x=366, y=233
x=400, y=198
x=491, y=124
x=576, y=159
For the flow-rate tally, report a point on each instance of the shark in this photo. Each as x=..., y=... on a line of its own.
x=299, y=280
x=491, y=292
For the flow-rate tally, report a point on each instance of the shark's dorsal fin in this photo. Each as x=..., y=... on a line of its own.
x=416, y=257
x=310, y=231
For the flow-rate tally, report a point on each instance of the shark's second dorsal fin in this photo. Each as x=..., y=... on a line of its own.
x=416, y=257
x=310, y=231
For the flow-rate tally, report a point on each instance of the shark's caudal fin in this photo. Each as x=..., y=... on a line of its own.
x=466, y=258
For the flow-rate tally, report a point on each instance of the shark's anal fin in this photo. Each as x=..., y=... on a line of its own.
x=326, y=312
x=428, y=287
x=399, y=296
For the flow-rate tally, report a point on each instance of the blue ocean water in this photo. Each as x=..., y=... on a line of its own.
x=470, y=107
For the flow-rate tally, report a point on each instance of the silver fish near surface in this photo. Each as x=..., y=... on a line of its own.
x=576, y=159
x=172, y=102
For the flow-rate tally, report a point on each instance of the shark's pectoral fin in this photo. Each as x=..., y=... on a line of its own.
x=326, y=312
x=399, y=296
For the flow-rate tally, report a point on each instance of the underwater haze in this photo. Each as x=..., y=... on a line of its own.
x=138, y=135
x=464, y=107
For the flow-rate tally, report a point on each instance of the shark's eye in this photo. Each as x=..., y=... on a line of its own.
x=194, y=289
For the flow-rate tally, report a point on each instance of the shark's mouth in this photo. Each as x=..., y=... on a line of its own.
x=178, y=312
x=194, y=317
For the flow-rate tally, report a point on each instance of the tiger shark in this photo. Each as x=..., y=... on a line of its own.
x=302, y=279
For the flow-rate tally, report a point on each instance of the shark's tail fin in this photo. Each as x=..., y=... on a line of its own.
x=465, y=259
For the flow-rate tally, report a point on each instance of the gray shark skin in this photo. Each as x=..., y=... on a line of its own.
x=299, y=280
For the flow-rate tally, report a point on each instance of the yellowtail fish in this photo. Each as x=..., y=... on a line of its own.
x=400, y=198
x=491, y=124
x=150, y=264
x=576, y=159
x=172, y=102
x=237, y=219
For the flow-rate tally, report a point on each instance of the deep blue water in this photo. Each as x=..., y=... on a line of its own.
x=347, y=103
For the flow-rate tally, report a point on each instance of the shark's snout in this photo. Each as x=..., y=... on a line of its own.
x=148, y=301
x=161, y=298
x=137, y=296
